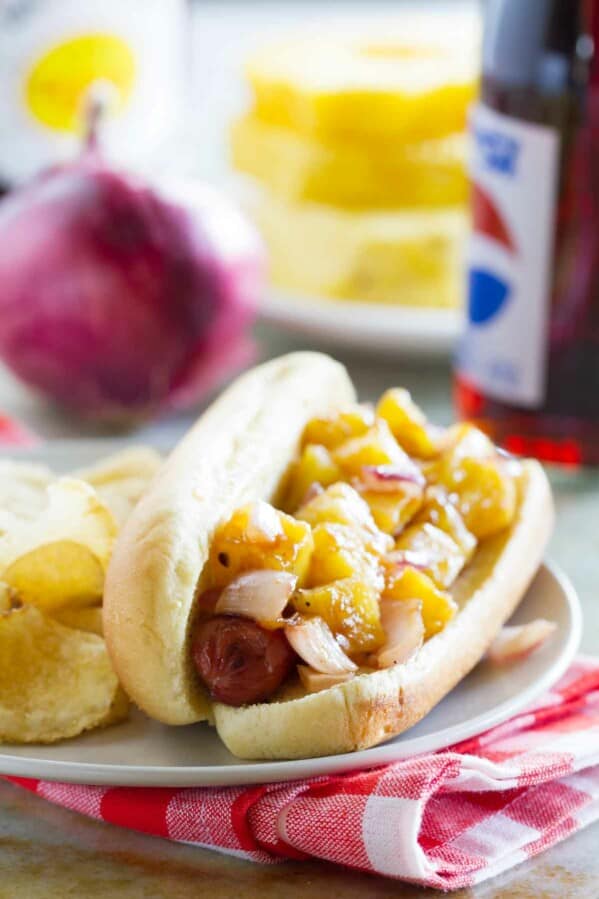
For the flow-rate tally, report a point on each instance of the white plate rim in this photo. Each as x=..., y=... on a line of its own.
x=281, y=771
x=362, y=325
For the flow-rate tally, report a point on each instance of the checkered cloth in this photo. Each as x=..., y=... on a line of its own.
x=446, y=820
x=13, y=434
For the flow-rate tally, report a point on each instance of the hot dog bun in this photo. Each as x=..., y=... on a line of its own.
x=237, y=452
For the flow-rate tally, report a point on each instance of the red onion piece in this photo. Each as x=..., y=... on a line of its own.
x=404, y=631
x=517, y=641
x=408, y=558
x=315, y=681
x=260, y=595
x=391, y=478
x=314, y=642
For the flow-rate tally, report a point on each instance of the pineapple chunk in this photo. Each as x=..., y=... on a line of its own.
x=341, y=504
x=351, y=609
x=440, y=511
x=336, y=429
x=393, y=175
x=392, y=511
x=407, y=583
x=340, y=552
x=408, y=424
x=237, y=547
x=314, y=466
x=471, y=469
x=442, y=558
x=377, y=446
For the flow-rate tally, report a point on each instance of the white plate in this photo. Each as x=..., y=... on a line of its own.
x=365, y=326
x=141, y=752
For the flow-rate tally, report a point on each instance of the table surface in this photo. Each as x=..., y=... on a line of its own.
x=46, y=851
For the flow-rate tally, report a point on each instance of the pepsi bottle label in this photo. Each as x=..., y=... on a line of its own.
x=514, y=173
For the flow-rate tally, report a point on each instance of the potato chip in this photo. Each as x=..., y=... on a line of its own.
x=87, y=619
x=55, y=682
x=23, y=488
x=121, y=479
x=59, y=557
x=7, y=595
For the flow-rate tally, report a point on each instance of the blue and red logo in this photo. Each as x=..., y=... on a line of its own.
x=488, y=292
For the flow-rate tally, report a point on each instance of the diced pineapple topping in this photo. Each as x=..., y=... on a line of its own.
x=314, y=466
x=369, y=523
x=351, y=609
x=237, y=547
x=406, y=582
x=471, y=469
x=340, y=551
x=336, y=429
x=377, y=446
x=408, y=424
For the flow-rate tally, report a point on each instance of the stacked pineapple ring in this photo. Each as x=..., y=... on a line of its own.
x=359, y=149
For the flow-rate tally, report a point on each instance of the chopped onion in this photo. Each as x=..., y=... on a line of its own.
x=391, y=478
x=261, y=595
x=516, y=641
x=264, y=524
x=409, y=558
x=404, y=631
x=314, y=642
x=315, y=681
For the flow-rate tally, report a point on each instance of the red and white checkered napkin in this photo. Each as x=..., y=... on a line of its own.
x=445, y=820
x=12, y=433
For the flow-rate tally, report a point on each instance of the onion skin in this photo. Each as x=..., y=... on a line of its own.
x=115, y=301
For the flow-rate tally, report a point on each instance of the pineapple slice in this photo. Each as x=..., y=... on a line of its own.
x=412, y=83
x=406, y=582
x=351, y=609
x=257, y=536
x=408, y=424
x=338, y=172
x=407, y=258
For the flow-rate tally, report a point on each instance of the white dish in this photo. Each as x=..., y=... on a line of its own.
x=141, y=752
x=365, y=326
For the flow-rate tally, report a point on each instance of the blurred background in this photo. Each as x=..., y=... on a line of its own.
x=334, y=138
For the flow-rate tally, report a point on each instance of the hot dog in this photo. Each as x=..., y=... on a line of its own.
x=239, y=661
x=227, y=596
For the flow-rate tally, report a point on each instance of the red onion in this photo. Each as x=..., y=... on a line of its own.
x=119, y=298
x=404, y=631
x=516, y=641
x=391, y=478
x=409, y=558
x=315, y=644
x=314, y=681
x=261, y=595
